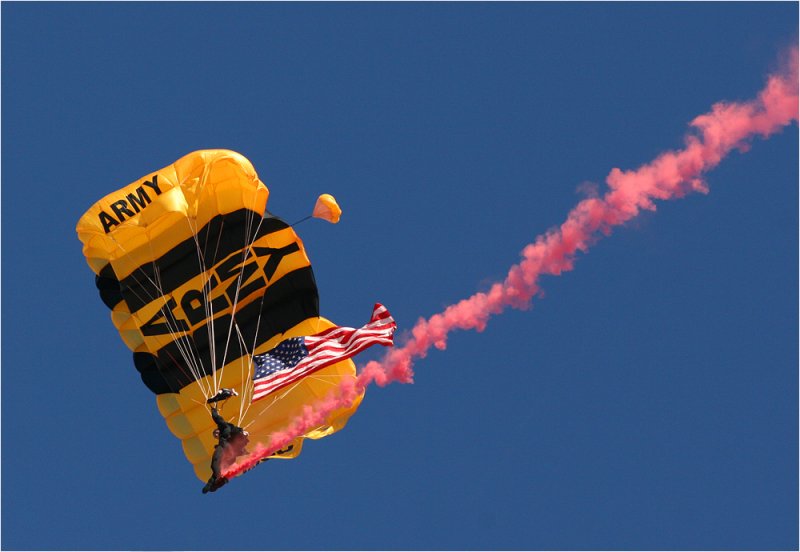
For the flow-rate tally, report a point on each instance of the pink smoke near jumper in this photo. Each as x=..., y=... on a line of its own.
x=671, y=175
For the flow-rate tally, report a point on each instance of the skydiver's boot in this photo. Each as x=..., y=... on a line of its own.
x=220, y=481
x=210, y=485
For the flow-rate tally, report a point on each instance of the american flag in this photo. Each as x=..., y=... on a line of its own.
x=297, y=357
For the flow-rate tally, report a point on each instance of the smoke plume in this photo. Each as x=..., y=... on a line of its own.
x=726, y=127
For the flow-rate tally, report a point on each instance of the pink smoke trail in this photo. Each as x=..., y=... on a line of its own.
x=671, y=175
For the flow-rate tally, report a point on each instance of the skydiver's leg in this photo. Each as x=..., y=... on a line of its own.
x=216, y=460
x=219, y=482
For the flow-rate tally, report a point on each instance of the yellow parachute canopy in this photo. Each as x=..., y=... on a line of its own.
x=199, y=277
x=326, y=208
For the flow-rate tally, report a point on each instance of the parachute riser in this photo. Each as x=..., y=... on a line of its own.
x=300, y=221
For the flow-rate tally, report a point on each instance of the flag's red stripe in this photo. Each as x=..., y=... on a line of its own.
x=340, y=352
x=333, y=333
x=314, y=341
x=380, y=313
x=262, y=389
x=339, y=346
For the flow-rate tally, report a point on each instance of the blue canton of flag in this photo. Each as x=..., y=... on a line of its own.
x=283, y=357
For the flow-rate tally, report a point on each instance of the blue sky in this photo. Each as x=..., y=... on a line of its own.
x=648, y=401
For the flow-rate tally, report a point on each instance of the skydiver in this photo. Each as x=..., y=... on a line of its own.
x=232, y=442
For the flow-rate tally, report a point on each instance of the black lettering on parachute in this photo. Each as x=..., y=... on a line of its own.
x=193, y=301
x=137, y=201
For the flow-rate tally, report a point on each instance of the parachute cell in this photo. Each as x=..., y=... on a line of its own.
x=199, y=277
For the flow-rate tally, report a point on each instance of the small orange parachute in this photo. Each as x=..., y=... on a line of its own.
x=326, y=208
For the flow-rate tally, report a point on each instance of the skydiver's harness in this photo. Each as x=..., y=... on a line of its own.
x=219, y=400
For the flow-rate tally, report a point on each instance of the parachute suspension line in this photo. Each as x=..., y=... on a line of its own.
x=206, y=288
x=278, y=397
x=171, y=325
x=246, y=351
x=247, y=380
x=164, y=310
x=250, y=383
x=245, y=253
x=183, y=342
x=207, y=306
x=210, y=310
x=181, y=339
x=300, y=221
x=275, y=399
x=332, y=379
x=250, y=238
x=258, y=325
x=246, y=383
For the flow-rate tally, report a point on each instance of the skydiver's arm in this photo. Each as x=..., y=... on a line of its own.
x=220, y=421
